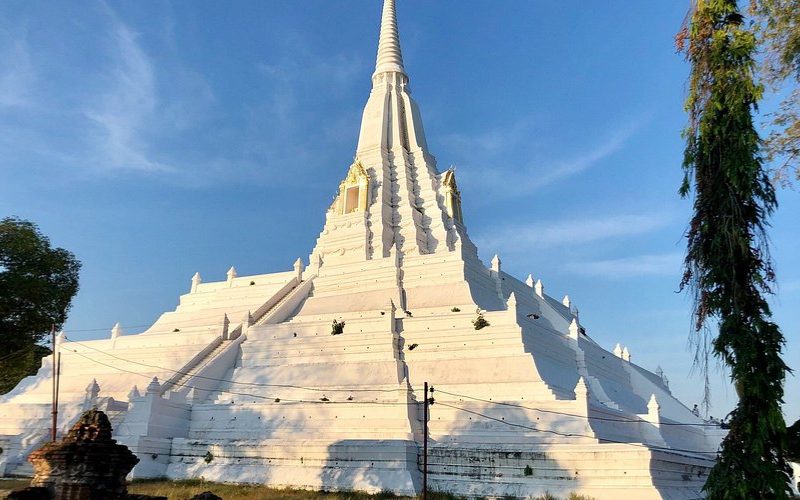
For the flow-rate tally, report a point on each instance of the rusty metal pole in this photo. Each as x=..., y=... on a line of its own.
x=425, y=447
x=54, y=411
x=58, y=385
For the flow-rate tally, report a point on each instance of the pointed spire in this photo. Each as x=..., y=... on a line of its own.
x=231, y=273
x=196, y=280
x=574, y=329
x=134, y=394
x=116, y=331
x=539, y=288
x=512, y=301
x=224, y=324
x=496, y=263
x=566, y=301
x=529, y=281
x=389, y=59
x=618, y=350
x=153, y=387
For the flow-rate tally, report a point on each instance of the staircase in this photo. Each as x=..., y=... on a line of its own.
x=265, y=316
x=186, y=374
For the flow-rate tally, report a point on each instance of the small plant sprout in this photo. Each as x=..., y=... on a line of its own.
x=412, y=347
x=324, y=398
x=528, y=471
x=209, y=457
x=337, y=328
x=277, y=400
x=480, y=322
x=455, y=310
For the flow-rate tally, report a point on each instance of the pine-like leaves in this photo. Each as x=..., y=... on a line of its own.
x=727, y=264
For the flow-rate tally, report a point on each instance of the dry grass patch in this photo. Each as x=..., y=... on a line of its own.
x=182, y=490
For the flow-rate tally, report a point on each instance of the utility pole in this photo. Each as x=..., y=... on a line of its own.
x=425, y=446
x=56, y=363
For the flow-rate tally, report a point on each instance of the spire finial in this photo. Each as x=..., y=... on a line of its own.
x=390, y=59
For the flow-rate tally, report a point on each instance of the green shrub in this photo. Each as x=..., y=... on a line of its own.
x=480, y=321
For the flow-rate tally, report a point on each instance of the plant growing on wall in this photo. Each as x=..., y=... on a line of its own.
x=337, y=328
x=479, y=322
x=727, y=266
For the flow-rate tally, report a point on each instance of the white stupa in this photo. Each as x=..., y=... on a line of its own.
x=248, y=380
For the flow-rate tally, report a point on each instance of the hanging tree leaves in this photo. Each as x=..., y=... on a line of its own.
x=778, y=30
x=727, y=264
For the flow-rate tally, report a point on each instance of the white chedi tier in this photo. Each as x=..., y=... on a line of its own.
x=249, y=380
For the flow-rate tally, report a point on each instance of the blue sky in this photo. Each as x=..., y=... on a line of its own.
x=156, y=139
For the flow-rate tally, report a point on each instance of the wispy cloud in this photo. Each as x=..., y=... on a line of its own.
x=626, y=267
x=524, y=171
x=127, y=106
x=16, y=73
x=572, y=231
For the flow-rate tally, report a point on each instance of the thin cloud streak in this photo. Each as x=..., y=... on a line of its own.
x=127, y=106
x=16, y=74
x=571, y=232
x=629, y=267
x=521, y=177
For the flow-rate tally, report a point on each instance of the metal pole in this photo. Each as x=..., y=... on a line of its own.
x=425, y=447
x=58, y=384
x=54, y=411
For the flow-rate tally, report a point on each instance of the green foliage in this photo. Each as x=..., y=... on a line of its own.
x=793, y=442
x=778, y=23
x=455, y=310
x=209, y=457
x=479, y=322
x=37, y=283
x=727, y=265
x=337, y=328
x=528, y=470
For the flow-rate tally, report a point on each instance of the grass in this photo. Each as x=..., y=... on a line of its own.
x=6, y=485
x=182, y=490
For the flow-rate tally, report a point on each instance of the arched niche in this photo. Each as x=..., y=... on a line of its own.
x=353, y=191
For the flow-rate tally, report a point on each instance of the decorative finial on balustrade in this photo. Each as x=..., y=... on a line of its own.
x=496, y=264
x=153, y=387
x=116, y=331
x=574, y=329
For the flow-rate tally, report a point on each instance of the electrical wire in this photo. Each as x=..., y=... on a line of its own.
x=605, y=419
x=254, y=384
x=245, y=394
x=574, y=435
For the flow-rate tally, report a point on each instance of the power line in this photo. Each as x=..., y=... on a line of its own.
x=245, y=394
x=606, y=419
x=300, y=401
x=321, y=389
x=574, y=435
x=255, y=384
x=103, y=329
